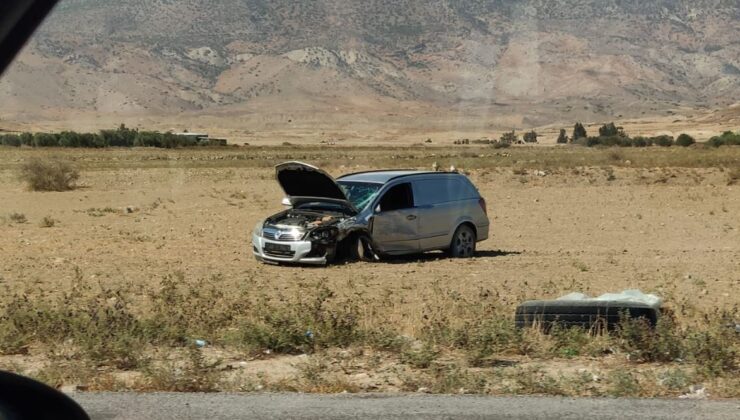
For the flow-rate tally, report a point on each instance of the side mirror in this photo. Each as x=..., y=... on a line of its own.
x=377, y=208
x=25, y=398
x=286, y=202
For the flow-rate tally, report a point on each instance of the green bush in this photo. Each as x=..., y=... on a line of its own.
x=530, y=137
x=728, y=138
x=509, y=137
x=579, y=132
x=609, y=130
x=664, y=140
x=640, y=142
x=685, y=140
x=562, y=137
x=10, y=140
x=45, y=140
x=26, y=139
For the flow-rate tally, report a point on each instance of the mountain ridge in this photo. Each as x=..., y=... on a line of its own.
x=535, y=61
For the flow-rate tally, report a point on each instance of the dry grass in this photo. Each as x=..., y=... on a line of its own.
x=465, y=157
x=49, y=175
x=451, y=353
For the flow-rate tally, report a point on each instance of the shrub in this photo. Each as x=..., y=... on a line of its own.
x=664, y=141
x=646, y=344
x=685, y=140
x=51, y=175
x=609, y=130
x=562, y=137
x=48, y=222
x=18, y=217
x=45, y=140
x=530, y=137
x=579, y=132
x=10, y=140
x=26, y=139
x=733, y=176
x=728, y=138
x=509, y=137
x=640, y=142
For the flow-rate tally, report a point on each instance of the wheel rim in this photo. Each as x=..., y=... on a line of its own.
x=464, y=243
x=365, y=249
x=361, y=249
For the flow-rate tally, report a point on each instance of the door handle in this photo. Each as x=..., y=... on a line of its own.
x=411, y=217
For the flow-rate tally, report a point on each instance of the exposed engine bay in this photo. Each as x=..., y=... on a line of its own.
x=304, y=219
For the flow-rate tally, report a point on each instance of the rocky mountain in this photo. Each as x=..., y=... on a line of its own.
x=529, y=62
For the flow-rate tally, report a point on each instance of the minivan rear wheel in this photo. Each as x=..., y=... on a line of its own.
x=463, y=242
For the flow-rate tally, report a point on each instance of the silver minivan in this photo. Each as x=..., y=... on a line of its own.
x=367, y=215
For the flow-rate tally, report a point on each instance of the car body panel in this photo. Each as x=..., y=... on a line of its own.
x=300, y=179
x=396, y=231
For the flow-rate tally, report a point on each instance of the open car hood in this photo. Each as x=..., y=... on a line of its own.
x=301, y=180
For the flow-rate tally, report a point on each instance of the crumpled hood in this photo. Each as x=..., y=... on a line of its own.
x=300, y=179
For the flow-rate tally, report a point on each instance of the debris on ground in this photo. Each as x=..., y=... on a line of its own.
x=696, y=392
x=580, y=310
x=630, y=295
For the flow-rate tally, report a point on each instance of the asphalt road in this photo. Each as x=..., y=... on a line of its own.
x=119, y=406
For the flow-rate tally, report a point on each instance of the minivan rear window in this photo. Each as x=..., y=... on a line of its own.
x=442, y=190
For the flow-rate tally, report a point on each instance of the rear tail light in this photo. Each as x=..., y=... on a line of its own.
x=482, y=203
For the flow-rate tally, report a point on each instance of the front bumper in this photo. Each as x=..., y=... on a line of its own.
x=299, y=251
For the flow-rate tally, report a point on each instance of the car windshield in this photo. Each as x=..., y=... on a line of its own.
x=360, y=193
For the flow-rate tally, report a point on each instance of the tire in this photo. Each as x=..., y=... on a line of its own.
x=585, y=314
x=361, y=249
x=463, y=242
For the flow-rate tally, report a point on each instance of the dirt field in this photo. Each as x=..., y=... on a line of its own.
x=594, y=221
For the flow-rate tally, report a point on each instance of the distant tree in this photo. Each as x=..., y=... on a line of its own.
x=69, y=139
x=685, y=140
x=27, y=139
x=562, y=137
x=10, y=140
x=609, y=130
x=530, y=137
x=45, y=140
x=509, y=137
x=579, y=132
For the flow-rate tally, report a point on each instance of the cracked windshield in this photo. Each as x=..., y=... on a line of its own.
x=446, y=197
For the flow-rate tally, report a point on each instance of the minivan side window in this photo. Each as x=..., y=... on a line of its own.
x=397, y=198
x=442, y=190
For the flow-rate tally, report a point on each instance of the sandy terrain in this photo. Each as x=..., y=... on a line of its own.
x=672, y=231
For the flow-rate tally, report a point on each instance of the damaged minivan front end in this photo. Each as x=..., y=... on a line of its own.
x=319, y=218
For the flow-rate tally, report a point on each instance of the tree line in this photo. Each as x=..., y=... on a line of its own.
x=120, y=137
x=612, y=135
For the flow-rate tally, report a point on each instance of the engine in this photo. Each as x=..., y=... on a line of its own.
x=303, y=219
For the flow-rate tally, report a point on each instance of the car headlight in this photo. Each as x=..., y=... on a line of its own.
x=324, y=234
x=258, y=229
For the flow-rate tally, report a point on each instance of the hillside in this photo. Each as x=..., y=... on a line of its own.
x=496, y=64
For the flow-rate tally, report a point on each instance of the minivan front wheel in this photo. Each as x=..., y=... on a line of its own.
x=463, y=242
x=361, y=249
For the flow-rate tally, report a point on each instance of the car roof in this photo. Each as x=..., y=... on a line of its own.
x=383, y=176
